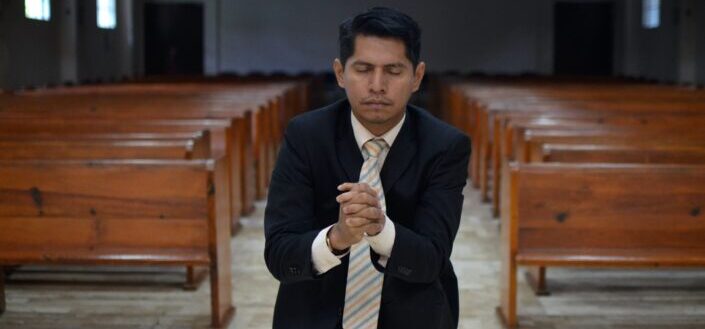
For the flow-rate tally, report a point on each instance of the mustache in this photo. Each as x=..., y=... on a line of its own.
x=377, y=100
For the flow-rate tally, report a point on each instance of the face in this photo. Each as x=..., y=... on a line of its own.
x=378, y=80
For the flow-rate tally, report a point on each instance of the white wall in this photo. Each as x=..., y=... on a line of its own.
x=699, y=19
x=501, y=36
x=67, y=48
x=29, y=49
x=104, y=54
x=244, y=36
x=673, y=52
x=658, y=48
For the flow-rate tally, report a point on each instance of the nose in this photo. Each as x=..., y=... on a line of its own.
x=378, y=83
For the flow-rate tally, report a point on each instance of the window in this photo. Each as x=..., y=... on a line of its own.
x=37, y=9
x=106, y=14
x=651, y=14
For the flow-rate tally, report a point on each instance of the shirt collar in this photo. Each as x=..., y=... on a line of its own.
x=362, y=135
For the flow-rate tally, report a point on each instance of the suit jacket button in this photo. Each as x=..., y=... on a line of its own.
x=294, y=270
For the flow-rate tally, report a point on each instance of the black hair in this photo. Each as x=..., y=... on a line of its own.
x=384, y=23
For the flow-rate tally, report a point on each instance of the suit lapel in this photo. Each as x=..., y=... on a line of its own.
x=401, y=153
x=349, y=154
x=398, y=159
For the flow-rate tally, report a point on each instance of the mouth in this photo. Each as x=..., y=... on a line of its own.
x=377, y=104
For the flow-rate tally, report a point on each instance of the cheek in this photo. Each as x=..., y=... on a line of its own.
x=402, y=89
x=359, y=82
x=356, y=86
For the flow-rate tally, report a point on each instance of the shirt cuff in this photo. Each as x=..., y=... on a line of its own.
x=383, y=242
x=322, y=257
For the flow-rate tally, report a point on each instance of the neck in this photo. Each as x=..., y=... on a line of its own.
x=379, y=129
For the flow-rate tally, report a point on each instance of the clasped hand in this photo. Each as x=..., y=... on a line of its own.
x=360, y=213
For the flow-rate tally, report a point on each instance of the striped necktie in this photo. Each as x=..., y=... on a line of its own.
x=363, y=290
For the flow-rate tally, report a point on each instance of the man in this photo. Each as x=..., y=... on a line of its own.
x=366, y=195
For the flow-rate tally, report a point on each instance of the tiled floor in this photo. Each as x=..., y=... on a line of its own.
x=80, y=297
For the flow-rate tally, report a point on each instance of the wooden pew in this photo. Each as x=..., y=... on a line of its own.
x=218, y=138
x=254, y=102
x=611, y=153
x=532, y=140
x=112, y=118
x=257, y=110
x=483, y=100
x=511, y=125
x=485, y=107
x=75, y=147
x=501, y=145
x=599, y=215
x=129, y=139
x=511, y=135
x=504, y=123
x=268, y=126
x=635, y=153
x=95, y=149
x=284, y=98
x=91, y=212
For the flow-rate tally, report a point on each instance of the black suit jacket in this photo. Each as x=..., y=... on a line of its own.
x=423, y=177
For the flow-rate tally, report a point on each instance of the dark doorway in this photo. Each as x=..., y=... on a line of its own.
x=583, y=38
x=173, y=38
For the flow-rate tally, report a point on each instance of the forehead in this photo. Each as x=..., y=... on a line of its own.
x=379, y=51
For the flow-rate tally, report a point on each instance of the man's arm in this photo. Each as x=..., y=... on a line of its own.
x=422, y=250
x=289, y=216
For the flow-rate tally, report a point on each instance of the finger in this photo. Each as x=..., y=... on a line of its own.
x=358, y=197
x=350, y=187
x=366, y=198
x=372, y=213
x=367, y=188
x=345, y=197
x=357, y=222
x=346, y=186
x=353, y=208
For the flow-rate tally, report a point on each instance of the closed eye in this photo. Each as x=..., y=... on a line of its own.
x=394, y=71
x=362, y=68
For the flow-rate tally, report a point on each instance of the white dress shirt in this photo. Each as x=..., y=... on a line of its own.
x=322, y=257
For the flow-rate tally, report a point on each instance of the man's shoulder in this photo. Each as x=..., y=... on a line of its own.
x=318, y=119
x=433, y=130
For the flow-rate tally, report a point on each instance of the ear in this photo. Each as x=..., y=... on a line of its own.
x=418, y=75
x=339, y=70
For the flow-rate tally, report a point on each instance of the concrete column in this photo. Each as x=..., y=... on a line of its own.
x=68, y=41
x=4, y=51
x=687, y=43
x=126, y=36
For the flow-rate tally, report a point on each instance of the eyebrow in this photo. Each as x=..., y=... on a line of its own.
x=393, y=65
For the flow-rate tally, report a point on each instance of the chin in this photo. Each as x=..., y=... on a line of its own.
x=375, y=118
